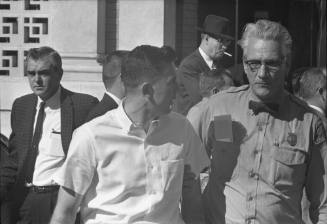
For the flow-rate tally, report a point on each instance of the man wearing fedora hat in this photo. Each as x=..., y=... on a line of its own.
x=215, y=38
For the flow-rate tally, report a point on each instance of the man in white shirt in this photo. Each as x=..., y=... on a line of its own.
x=42, y=124
x=215, y=38
x=136, y=162
x=115, y=90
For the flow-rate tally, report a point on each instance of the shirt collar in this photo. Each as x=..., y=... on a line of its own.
x=53, y=102
x=206, y=58
x=115, y=98
x=124, y=120
x=317, y=109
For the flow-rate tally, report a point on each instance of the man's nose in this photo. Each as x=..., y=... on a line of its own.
x=37, y=77
x=262, y=72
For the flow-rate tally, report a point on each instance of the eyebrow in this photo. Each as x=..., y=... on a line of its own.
x=45, y=71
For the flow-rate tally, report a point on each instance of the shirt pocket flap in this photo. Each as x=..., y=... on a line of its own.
x=289, y=155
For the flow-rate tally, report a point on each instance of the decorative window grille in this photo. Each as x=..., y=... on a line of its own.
x=23, y=24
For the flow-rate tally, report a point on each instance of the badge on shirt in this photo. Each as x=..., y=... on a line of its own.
x=291, y=138
x=223, y=128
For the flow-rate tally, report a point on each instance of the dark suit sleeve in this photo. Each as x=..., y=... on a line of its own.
x=188, y=82
x=106, y=104
x=9, y=163
x=83, y=105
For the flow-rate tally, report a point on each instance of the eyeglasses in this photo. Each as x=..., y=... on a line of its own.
x=272, y=65
x=224, y=42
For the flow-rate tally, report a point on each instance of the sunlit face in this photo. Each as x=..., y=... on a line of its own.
x=43, y=79
x=216, y=47
x=266, y=68
x=165, y=91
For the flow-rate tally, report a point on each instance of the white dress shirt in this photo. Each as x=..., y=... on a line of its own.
x=115, y=98
x=207, y=59
x=51, y=155
x=127, y=175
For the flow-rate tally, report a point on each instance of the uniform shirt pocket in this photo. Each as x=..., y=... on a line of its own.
x=288, y=165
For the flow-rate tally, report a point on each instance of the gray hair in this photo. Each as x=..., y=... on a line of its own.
x=311, y=81
x=267, y=30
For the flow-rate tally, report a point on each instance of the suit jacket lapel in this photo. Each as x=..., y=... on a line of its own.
x=203, y=62
x=27, y=126
x=107, y=100
x=67, y=119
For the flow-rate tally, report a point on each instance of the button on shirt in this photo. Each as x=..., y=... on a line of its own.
x=127, y=175
x=259, y=176
x=51, y=155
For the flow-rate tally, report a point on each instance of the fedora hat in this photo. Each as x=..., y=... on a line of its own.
x=217, y=27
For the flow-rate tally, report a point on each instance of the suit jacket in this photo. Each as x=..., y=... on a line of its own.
x=74, y=109
x=106, y=104
x=188, y=80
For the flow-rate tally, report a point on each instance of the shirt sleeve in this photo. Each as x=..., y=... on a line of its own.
x=196, y=157
x=79, y=167
x=316, y=182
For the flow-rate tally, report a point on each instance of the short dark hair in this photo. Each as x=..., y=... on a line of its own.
x=144, y=63
x=48, y=53
x=311, y=81
x=118, y=53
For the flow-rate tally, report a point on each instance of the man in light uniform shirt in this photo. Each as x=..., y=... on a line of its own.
x=267, y=145
x=136, y=162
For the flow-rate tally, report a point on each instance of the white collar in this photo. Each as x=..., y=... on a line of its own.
x=317, y=108
x=53, y=102
x=206, y=58
x=115, y=98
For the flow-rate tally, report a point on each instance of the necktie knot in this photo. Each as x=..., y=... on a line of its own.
x=41, y=105
x=258, y=107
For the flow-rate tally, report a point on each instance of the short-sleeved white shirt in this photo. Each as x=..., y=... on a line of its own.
x=127, y=175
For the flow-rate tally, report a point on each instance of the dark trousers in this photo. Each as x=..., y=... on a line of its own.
x=37, y=208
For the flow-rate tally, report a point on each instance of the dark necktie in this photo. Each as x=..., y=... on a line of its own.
x=258, y=107
x=33, y=151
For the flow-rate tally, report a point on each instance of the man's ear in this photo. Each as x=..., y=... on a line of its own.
x=147, y=89
x=214, y=90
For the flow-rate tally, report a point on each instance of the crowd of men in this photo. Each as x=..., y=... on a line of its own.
x=169, y=145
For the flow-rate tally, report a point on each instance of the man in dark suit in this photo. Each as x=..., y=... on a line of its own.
x=115, y=90
x=215, y=38
x=42, y=124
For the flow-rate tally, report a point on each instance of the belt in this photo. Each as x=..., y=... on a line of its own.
x=43, y=189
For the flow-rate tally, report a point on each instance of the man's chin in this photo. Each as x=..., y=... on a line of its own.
x=39, y=93
x=262, y=93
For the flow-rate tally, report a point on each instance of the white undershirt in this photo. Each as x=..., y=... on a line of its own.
x=51, y=155
x=206, y=58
